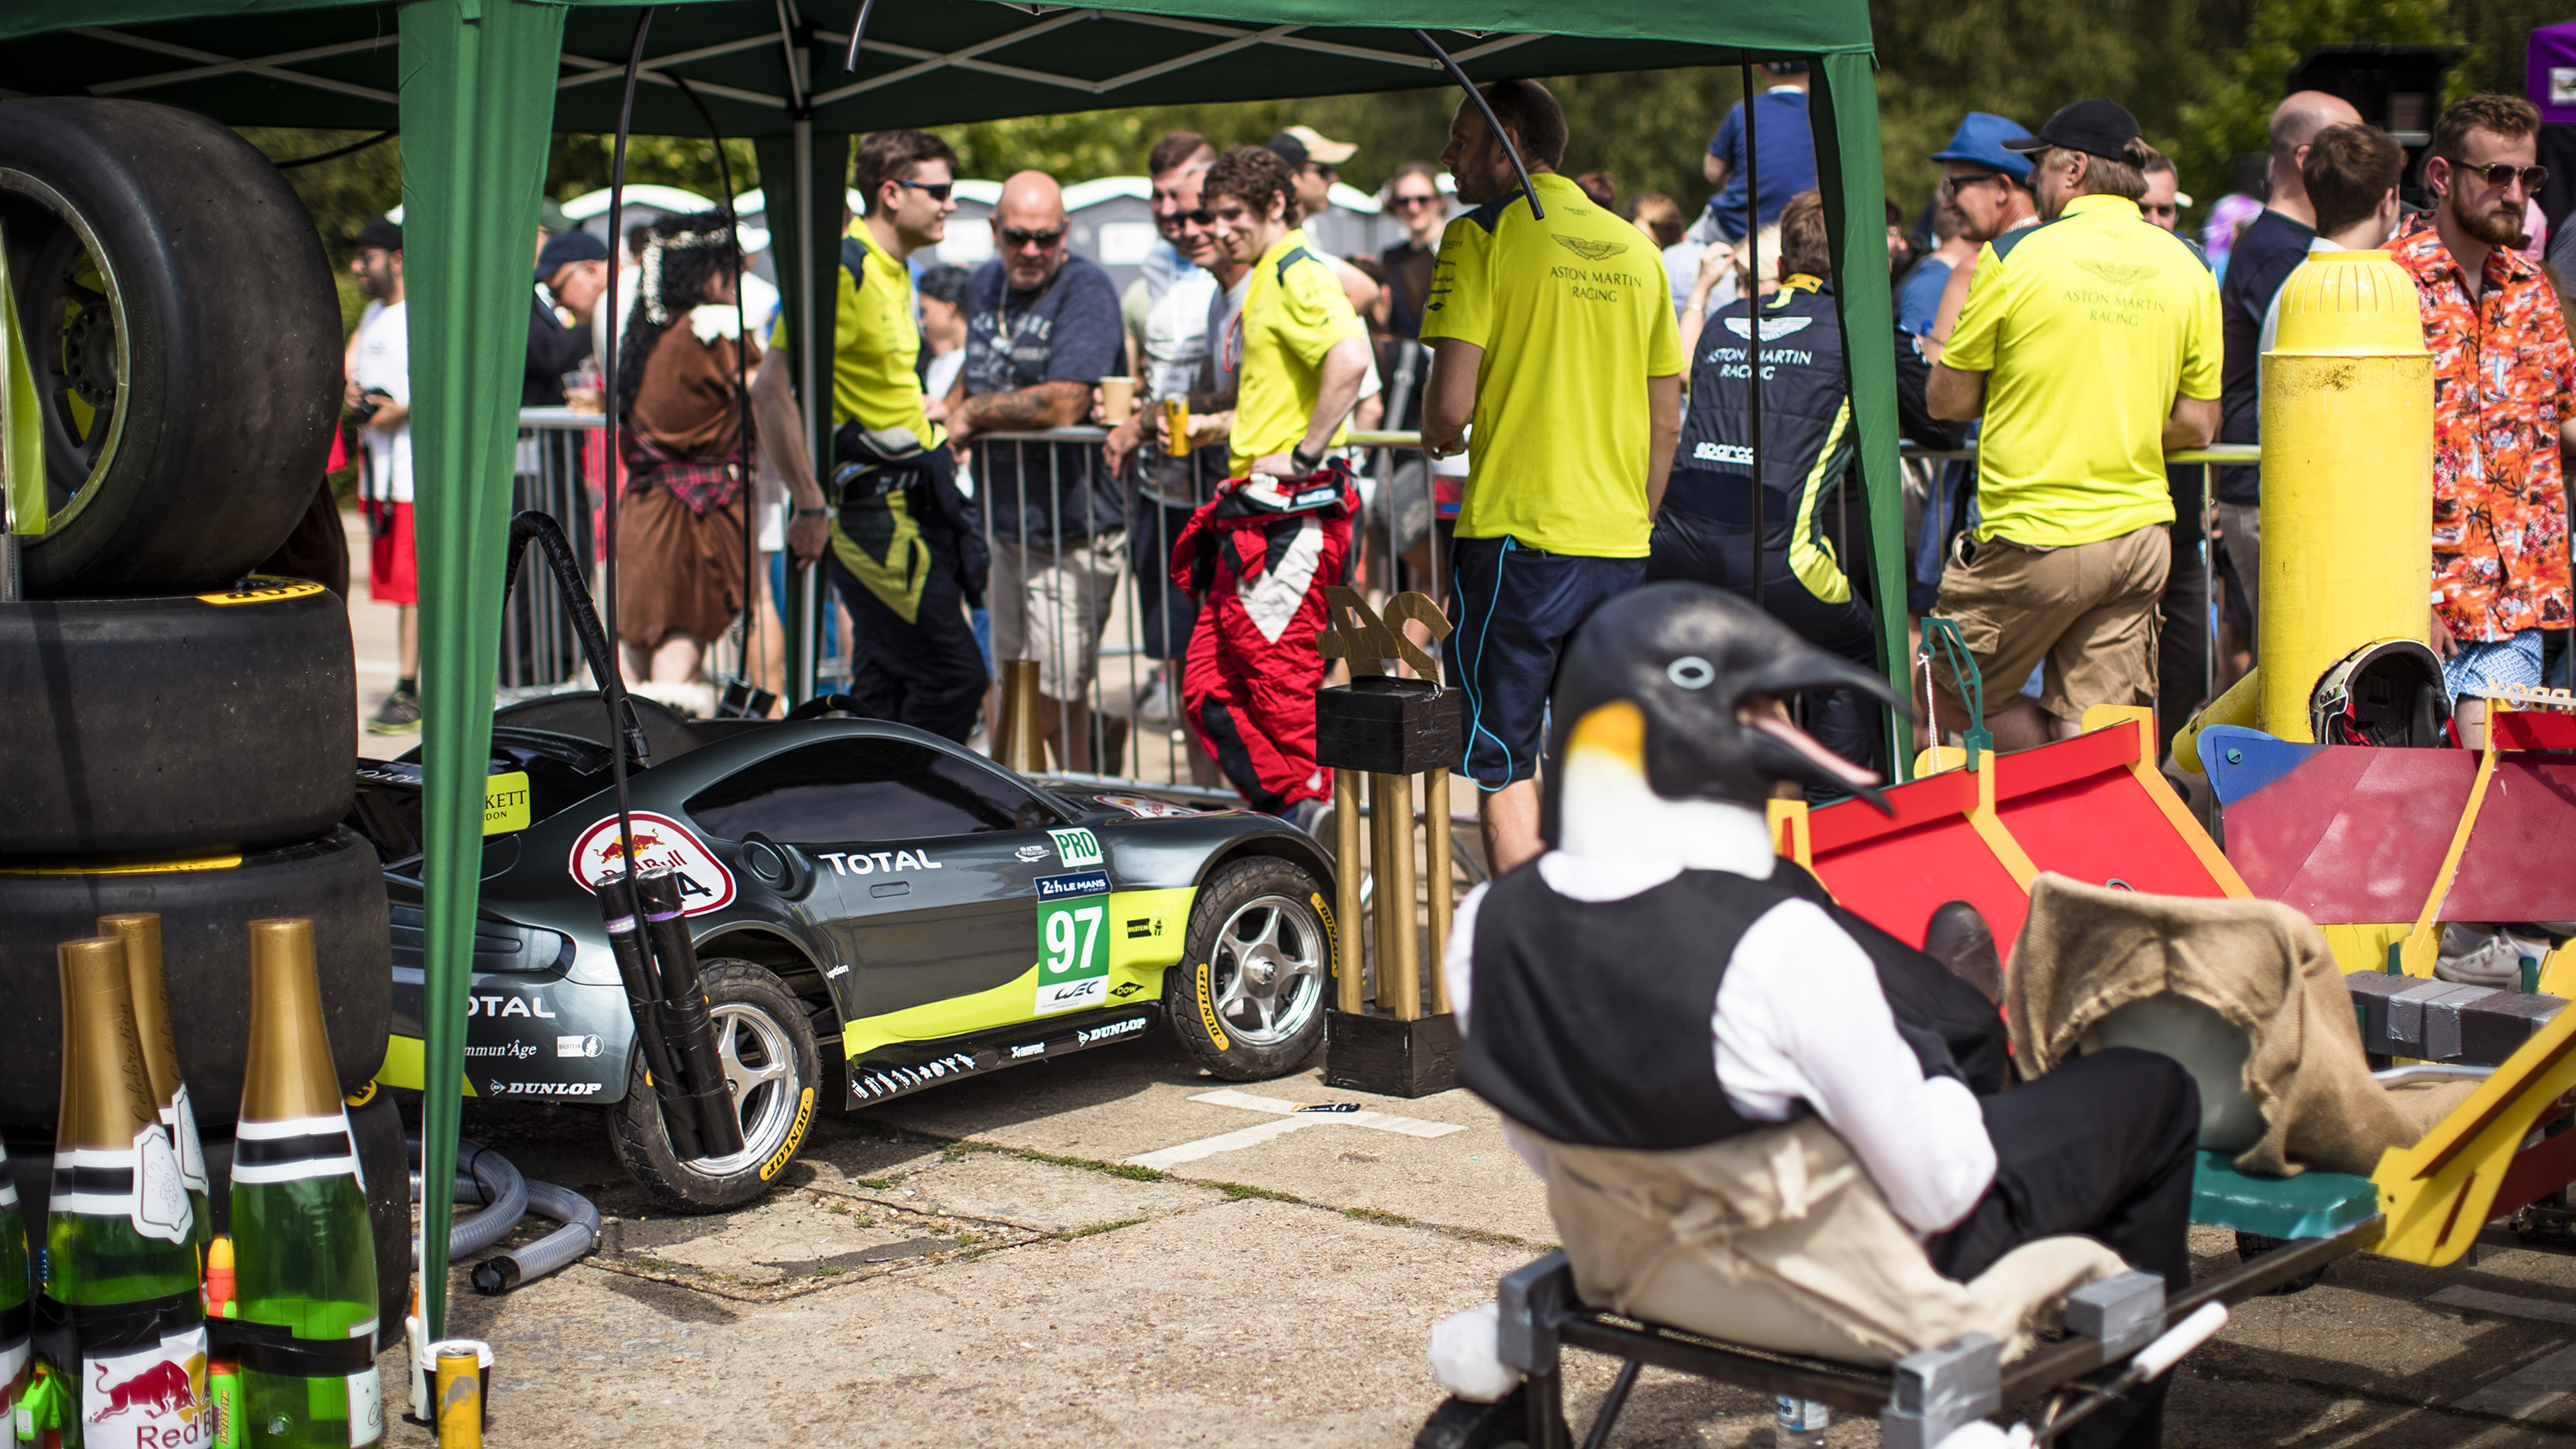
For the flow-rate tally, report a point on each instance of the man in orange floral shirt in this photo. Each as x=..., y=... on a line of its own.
x=2504, y=388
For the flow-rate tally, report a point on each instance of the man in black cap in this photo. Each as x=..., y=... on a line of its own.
x=572, y=268
x=2090, y=346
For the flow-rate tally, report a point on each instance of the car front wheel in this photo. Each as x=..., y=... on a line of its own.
x=766, y=1042
x=1248, y=999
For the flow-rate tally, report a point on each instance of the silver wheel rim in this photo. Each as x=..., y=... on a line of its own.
x=760, y=1076
x=1268, y=970
x=51, y=332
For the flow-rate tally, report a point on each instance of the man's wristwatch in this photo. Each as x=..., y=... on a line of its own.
x=1304, y=462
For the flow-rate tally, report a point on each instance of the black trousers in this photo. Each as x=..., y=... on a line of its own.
x=928, y=673
x=2182, y=616
x=1690, y=546
x=2102, y=1146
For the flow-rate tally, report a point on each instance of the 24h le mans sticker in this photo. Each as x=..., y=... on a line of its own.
x=705, y=884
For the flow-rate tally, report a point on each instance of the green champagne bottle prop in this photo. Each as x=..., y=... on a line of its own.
x=126, y=1335
x=17, y=1308
x=141, y=933
x=304, y=1255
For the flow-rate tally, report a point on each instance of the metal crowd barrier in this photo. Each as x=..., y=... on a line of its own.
x=561, y=456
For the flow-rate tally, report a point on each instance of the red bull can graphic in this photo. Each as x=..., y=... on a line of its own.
x=148, y=1398
x=705, y=884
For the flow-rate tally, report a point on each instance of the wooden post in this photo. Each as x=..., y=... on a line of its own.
x=1022, y=742
x=1435, y=789
x=1399, y=954
x=1350, y=951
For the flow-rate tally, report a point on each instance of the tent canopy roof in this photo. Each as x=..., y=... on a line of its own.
x=333, y=62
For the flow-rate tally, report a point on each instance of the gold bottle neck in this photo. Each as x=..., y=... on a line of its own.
x=288, y=1074
x=107, y=1097
x=141, y=933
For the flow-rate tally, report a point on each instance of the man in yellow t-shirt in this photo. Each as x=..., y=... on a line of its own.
x=2090, y=345
x=900, y=547
x=1555, y=338
x=1304, y=351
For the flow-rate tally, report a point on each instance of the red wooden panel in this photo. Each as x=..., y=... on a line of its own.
x=2351, y=835
x=2534, y=729
x=1917, y=802
x=2105, y=827
x=2517, y=866
x=1896, y=879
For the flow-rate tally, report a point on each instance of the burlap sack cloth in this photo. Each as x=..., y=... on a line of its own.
x=2087, y=951
x=1778, y=1239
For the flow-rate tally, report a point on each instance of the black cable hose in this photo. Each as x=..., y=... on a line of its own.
x=541, y=529
x=352, y=149
x=612, y=685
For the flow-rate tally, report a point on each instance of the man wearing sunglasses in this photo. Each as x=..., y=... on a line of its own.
x=1042, y=329
x=2504, y=388
x=896, y=538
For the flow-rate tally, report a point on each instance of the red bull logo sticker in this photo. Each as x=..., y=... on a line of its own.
x=150, y=1398
x=705, y=884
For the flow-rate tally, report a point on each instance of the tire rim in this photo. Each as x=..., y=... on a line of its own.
x=1268, y=969
x=79, y=347
x=760, y=1076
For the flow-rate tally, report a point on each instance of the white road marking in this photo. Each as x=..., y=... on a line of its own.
x=2536, y=1385
x=1283, y=1124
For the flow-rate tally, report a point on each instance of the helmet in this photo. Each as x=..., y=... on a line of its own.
x=2388, y=693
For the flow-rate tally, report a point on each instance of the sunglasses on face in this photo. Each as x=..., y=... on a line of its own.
x=2505, y=173
x=1044, y=241
x=935, y=190
x=1202, y=217
x=1415, y=200
x=2153, y=209
x=1951, y=186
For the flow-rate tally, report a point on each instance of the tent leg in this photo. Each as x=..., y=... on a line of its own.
x=478, y=98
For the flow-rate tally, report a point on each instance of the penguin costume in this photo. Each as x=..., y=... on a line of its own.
x=1759, y=1117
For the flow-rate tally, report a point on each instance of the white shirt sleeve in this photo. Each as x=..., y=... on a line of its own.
x=1799, y=1017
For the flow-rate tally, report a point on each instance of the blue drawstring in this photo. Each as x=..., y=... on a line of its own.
x=1475, y=699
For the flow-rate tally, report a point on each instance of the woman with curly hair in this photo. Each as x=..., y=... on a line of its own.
x=681, y=520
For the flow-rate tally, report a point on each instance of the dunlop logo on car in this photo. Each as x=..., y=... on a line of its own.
x=1332, y=935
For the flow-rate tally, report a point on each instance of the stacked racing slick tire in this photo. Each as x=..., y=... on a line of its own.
x=182, y=734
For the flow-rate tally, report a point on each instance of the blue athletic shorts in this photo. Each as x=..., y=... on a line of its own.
x=1514, y=609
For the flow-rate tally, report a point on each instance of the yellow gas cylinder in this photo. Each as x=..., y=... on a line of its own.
x=2347, y=477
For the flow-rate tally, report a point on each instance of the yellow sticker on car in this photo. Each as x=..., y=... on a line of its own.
x=505, y=802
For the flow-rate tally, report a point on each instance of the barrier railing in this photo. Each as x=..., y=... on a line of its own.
x=560, y=458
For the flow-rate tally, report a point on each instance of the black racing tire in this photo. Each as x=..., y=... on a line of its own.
x=335, y=881
x=1249, y=995
x=767, y=1026
x=185, y=335
x=169, y=727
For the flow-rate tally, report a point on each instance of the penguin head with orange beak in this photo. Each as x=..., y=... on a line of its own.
x=1669, y=701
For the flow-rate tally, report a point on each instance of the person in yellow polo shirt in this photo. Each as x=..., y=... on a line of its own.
x=897, y=541
x=1304, y=351
x=2090, y=346
x=1554, y=336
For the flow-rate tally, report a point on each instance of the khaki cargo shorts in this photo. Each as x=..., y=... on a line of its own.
x=1051, y=604
x=2087, y=609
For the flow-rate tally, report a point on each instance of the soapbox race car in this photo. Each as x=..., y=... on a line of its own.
x=851, y=883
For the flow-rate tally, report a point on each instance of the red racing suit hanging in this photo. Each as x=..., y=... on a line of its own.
x=1260, y=554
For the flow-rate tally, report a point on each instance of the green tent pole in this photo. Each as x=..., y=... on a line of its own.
x=802, y=178
x=1855, y=200
x=478, y=100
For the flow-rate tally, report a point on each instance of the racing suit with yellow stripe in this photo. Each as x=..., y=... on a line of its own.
x=1705, y=528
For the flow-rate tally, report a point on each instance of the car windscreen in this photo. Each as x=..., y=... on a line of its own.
x=861, y=788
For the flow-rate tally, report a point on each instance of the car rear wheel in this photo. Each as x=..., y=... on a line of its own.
x=1248, y=997
x=766, y=1040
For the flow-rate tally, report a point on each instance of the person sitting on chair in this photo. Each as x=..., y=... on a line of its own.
x=1746, y=1102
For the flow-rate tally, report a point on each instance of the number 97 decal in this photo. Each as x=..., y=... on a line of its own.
x=1073, y=961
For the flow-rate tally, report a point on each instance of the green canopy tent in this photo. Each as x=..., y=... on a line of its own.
x=477, y=86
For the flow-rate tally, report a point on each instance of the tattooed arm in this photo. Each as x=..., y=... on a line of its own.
x=1047, y=405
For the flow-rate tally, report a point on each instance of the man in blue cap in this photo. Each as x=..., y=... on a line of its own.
x=572, y=268
x=1989, y=185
